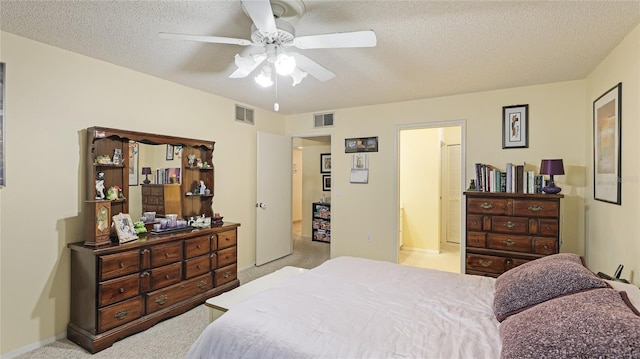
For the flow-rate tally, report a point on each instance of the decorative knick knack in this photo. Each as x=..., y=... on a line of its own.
x=472, y=185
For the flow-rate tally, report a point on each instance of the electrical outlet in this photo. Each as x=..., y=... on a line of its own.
x=369, y=237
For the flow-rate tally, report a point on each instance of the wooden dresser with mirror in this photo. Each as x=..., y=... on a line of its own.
x=120, y=289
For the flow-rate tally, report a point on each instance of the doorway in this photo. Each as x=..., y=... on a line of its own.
x=430, y=169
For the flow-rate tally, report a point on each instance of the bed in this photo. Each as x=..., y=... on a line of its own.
x=360, y=308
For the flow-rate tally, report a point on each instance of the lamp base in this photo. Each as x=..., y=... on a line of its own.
x=146, y=181
x=551, y=189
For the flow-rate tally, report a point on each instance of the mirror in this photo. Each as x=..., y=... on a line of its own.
x=169, y=154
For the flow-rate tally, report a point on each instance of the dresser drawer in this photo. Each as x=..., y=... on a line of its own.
x=545, y=245
x=517, y=225
x=549, y=227
x=176, y=293
x=491, y=264
x=535, y=208
x=475, y=239
x=157, y=191
x=225, y=274
x=508, y=242
x=197, y=246
x=166, y=254
x=227, y=256
x=487, y=206
x=118, y=289
x=474, y=222
x=116, y=265
x=196, y=266
x=118, y=314
x=226, y=239
x=166, y=275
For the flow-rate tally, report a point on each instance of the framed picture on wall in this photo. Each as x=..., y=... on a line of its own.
x=325, y=163
x=607, y=184
x=515, y=126
x=326, y=182
x=133, y=163
x=169, y=152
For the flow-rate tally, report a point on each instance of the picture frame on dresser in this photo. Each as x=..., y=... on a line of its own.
x=515, y=126
x=607, y=156
x=124, y=228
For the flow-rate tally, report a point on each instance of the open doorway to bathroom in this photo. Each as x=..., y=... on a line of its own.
x=430, y=195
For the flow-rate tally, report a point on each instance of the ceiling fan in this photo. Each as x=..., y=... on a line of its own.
x=275, y=37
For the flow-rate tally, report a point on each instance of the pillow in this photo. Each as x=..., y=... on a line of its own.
x=591, y=324
x=540, y=280
x=633, y=292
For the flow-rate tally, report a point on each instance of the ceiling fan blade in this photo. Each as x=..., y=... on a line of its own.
x=313, y=68
x=211, y=39
x=366, y=38
x=261, y=14
x=246, y=65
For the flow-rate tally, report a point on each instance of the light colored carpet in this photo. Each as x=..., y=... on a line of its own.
x=173, y=337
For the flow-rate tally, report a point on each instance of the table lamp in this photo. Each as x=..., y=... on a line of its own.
x=551, y=168
x=146, y=171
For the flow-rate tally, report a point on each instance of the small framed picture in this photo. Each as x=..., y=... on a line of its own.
x=169, y=152
x=359, y=161
x=363, y=144
x=607, y=150
x=124, y=228
x=325, y=163
x=326, y=182
x=515, y=126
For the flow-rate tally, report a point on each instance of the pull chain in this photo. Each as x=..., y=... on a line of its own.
x=276, y=106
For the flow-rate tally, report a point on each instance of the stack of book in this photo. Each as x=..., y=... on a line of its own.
x=513, y=179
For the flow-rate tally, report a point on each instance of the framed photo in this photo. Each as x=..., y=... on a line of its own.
x=363, y=144
x=169, y=152
x=515, y=126
x=124, y=228
x=360, y=161
x=133, y=163
x=607, y=162
x=325, y=163
x=3, y=177
x=326, y=182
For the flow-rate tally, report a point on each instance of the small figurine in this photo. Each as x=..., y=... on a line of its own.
x=100, y=185
x=202, y=188
x=192, y=160
x=112, y=193
x=117, y=156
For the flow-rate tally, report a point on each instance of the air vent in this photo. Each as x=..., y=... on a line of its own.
x=323, y=120
x=244, y=114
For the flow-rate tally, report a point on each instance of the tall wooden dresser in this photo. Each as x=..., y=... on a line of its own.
x=505, y=230
x=118, y=290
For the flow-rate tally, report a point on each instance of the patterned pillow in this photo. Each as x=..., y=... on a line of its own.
x=540, y=280
x=593, y=324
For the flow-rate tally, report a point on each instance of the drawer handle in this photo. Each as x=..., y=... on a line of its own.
x=198, y=266
x=202, y=284
x=535, y=208
x=162, y=299
x=166, y=276
x=548, y=228
x=545, y=246
x=121, y=290
x=510, y=225
x=486, y=205
x=475, y=240
x=509, y=243
x=227, y=239
x=227, y=275
x=121, y=264
x=485, y=263
x=475, y=222
x=198, y=246
x=166, y=255
x=121, y=314
x=227, y=257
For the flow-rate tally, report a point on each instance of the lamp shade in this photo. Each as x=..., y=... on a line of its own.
x=551, y=167
x=146, y=170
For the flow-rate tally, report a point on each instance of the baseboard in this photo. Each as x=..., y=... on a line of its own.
x=431, y=251
x=33, y=346
x=247, y=267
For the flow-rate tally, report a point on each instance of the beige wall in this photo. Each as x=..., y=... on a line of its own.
x=557, y=105
x=52, y=95
x=419, y=188
x=612, y=234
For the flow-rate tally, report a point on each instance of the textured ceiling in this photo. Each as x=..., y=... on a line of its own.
x=425, y=48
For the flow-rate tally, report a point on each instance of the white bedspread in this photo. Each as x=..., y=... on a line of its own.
x=359, y=308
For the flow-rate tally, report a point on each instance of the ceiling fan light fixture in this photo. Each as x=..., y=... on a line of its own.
x=297, y=75
x=264, y=78
x=285, y=64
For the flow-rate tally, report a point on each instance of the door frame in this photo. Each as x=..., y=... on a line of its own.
x=320, y=133
x=463, y=145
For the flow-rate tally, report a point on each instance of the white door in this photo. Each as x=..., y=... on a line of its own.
x=453, y=194
x=273, y=217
